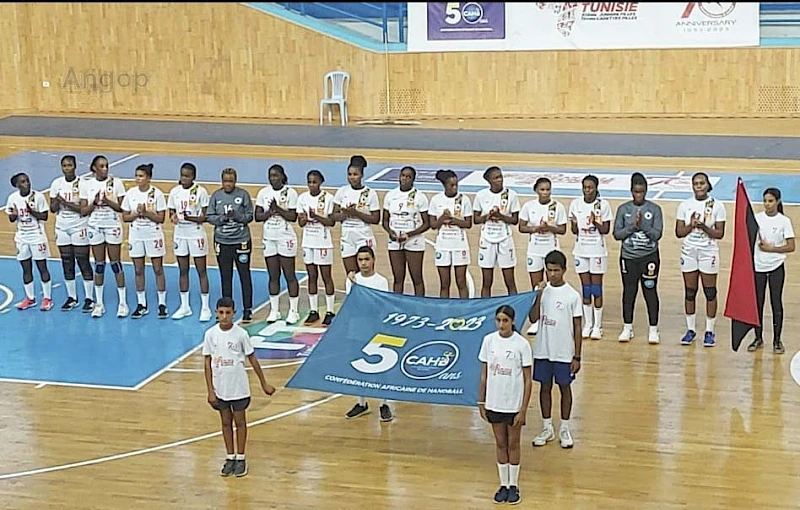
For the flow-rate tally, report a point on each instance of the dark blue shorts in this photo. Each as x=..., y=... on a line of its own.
x=545, y=370
x=234, y=405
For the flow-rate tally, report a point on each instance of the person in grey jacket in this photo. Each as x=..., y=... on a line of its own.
x=230, y=210
x=639, y=224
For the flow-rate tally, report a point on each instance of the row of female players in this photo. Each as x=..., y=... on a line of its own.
x=87, y=216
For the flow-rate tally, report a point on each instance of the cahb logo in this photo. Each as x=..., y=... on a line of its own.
x=429, y=360
x=472, y=12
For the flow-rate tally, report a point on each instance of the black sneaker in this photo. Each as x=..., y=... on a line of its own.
x=757, y=344
x=70, y=303
x=140, y=312
x=386, y=413
x=501, y=496
x=328, y=318
x=357, y=410
x=513, y=495
x=228, y=467
x=312, y=318
x=88, y=305
x=777, y=347
x=162, y=311
x=240, y=469
x=247, y=316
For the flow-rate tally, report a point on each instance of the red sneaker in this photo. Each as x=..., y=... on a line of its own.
x=47, y=304
x=26, y=303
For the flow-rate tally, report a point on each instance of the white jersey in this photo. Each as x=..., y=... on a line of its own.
x=507, y=201
x=773, y=230
x=590, y=242
x=276, y=228
x=405, y=209
x=70, y=191
x=376, y=281
x=113, y=188
x=505, y=358
x=315, y=234
x=710, y=211
x=450, y=237
x=365, y=200
x=145, y=229
x=228, y=350
x=188, y=202
x=534, y=213
x=555, y=340
x=29, y=229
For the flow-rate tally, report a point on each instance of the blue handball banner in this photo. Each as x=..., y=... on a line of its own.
x=399, y=347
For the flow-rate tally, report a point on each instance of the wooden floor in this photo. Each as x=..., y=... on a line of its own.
x=656, y=427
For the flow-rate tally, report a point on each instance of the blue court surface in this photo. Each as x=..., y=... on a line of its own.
x=665, y=184
x=73, y=348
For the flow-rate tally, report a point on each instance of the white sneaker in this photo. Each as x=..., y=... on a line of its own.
x=547, y=434
x=122, y=310
x=587, y=330
x=654, y=336
x=534, y=329
x=205, y=315
x=596, y=334
x=566, y=438
x=626, y=335
x=182, y=312
x=98, y=310
x=274, y=316
x=293, y=317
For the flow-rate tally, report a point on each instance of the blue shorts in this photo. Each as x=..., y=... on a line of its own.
x=545, y=370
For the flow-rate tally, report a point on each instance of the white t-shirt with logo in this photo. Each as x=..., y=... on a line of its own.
x=505, y=358
x=507, y=201
x=376, y=281
x=590, y=242
x=405, y=209
x=315, y=234
x=276, y=228
x=710, y=210
x=228, y=350
x=145, y=229
x=450, y=237
x=774, y=230
x=556, y=340
x=365, y=200
x=70, y=191
x=29, y=229
x=535, y=213
x=113, y=188
x=188, y=202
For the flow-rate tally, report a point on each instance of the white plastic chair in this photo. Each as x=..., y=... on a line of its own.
x=335, y=84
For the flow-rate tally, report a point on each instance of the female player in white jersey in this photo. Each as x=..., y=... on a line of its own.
x=101, y=198
x=72, y=237
x=700, y=222
x=543, y=219
x=28, y=209
x=276, y=205
x=496, y=209
x=356, y=207
x=145, y=208
x=314, y=210
x=405, y=219
x=187, y=204
x=451, y=214
x=590, y=217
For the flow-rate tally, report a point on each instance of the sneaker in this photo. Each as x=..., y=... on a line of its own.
x=534, y=329
x=274, y=316
x=140, y=312
x=596, y=334
x=247, y=316
x=293, y=317
x=757, y=344
x=205, y=315
x=123, y=310
x=587, y=330
x=710, y=339
x=181, y=313
x=513, y=495
x=688, y=338
x=546, y=435
x=654, y=337
x=566, y=438
x=47, y=304
x=98, y=311
x=501, y=496
x=88, y=305
x=69, y=304
x=312, y=318
x=240, y=468
x=626, y=335
x=386, y=413
x=162, y=312
x=777, y=347
x=328, y=318
x=227, y=468
x=357, y=410
x=26, y=303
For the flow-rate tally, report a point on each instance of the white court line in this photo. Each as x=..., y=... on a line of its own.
x=167, y=446
x=660, y=193
x=263, y=367
x=9, y=296
x=67, y=384
x=39, y=386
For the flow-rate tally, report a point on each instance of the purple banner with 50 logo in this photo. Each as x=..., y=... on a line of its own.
x=466, y=20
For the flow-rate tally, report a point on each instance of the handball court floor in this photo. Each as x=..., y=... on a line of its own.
x=655, y=426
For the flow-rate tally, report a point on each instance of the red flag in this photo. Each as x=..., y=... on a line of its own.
x=741, y=306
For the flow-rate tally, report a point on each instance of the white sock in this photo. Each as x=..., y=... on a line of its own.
x=710, y=321
x=653, y=330
x=204, y=299
x=274, y=303
x=47, y=288
x=598, y=317
x=29, y=290
x=503, y=470
x=239, y=456
x=230, y=456
x=123, y=300
x=87, y=288
x=162, y=297
x=548, y=423
x=71, y=289
x=587, y=315
x=513, y=472
x=98, y=294
x=141, y=298
x=362, y=401
x=293, y=302
x=329, y=302
x=564, y=424
x=184, y=300
x=313, y=302
x=691, y=322
x=627, y=327
x=384, y=402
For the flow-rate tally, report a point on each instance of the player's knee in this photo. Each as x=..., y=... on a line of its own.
x=68, y=263
x=100, y=267
x=159, y=271
x=691, y=293
x=710, y=292
x=116, y=267
x=597, y=290
x=587, y=291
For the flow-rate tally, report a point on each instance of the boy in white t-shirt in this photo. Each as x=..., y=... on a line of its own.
x=225, y=348
x=557, y=350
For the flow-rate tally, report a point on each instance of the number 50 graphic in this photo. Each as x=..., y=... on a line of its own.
x=375, y=347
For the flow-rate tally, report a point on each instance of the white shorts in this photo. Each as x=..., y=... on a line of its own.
x=501, y=254
x=152, y=248
x=36, y=251
x=535, y=263
x=318, y=256
x=591, y=265
x=447, y=258
x=416, y=243
x=108, y=235
x=75, y=236
x=705, y=260
x=286, y=247
x=351, y=244
x=197, y=247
